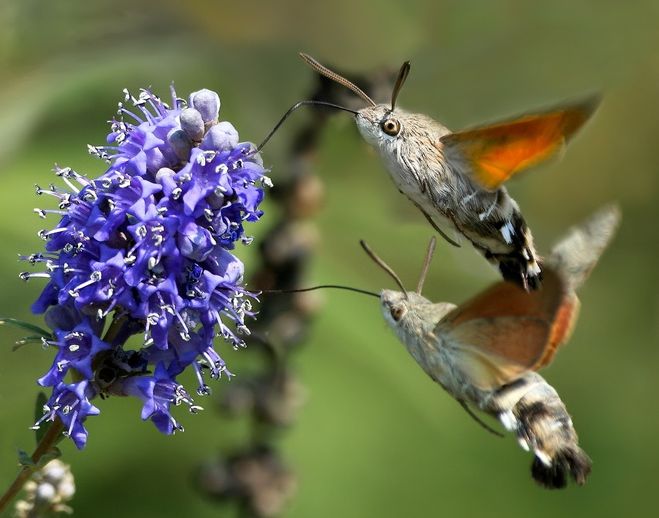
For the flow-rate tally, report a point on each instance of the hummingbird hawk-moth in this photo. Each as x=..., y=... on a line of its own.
x=486, y=351
x=456, y=178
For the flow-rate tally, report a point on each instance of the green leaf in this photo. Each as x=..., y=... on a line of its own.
x=26, y=326
x=24, y=459
x=53, y=453
x=27, y=340
x=41, y=400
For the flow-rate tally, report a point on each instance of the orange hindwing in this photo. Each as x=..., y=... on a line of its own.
x=490, y=155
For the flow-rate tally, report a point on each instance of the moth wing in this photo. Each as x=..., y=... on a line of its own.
x=492, y=154
x=505, y=299
x=494, y=352
x=506, y=331
x=576, y=254
x=574, y=257
x=561, y=329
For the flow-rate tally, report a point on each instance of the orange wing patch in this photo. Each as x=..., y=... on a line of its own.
x=493, y=352
x=493, y=154
x=505, y=331
x=486, y=371
x=561, y=330
x=505, y=299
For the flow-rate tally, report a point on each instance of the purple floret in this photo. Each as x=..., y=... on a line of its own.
x=145, y=249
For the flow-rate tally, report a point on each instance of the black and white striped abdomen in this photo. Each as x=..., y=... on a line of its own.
x=494, y=224
x=532, y=409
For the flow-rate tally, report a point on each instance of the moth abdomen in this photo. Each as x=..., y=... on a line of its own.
x=536, y=414
x=569, y=461
x=548, y=429
x=521, y=264
x=524, y=269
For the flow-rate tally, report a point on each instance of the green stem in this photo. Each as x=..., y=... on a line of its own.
x=117, y=327
x=50, y=439
x=54, y=434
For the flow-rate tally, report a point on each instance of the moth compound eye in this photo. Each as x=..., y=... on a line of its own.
x=390, y=127
x=397, y=312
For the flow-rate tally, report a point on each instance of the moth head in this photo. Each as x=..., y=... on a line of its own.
x=376, y=122
x=380, y=124
x=402, y=309
x=383, y=122
x=394, y=305
x=397, y=305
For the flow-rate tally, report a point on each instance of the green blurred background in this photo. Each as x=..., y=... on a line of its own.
x=376, y=437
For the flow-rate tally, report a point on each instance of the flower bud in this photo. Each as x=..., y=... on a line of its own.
x=193, y=124
x=220, y=137
x=45, y=492
x=180, y=143
x=207, y=103
x=195, y=242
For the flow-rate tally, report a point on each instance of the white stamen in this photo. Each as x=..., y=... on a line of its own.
x=24, y=276
x=141, y=231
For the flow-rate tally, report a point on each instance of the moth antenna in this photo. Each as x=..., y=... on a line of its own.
x=383, y=265
x=292, y=109
x=324, y=71
x=400, y=81
x=322, y=286
x=426, y=264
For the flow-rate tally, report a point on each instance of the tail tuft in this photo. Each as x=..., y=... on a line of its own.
x=524, y=272
x=533, y=410
x=569, y=461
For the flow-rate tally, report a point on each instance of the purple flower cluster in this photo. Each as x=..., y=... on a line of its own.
x=145, y=250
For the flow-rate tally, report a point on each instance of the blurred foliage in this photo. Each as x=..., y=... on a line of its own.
x=377, y=438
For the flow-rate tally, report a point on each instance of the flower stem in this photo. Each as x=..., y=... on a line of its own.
x=50, y=438
x=120, y=326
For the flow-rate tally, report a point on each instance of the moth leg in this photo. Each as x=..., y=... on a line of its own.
x=439, y=230
x=479, y=420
